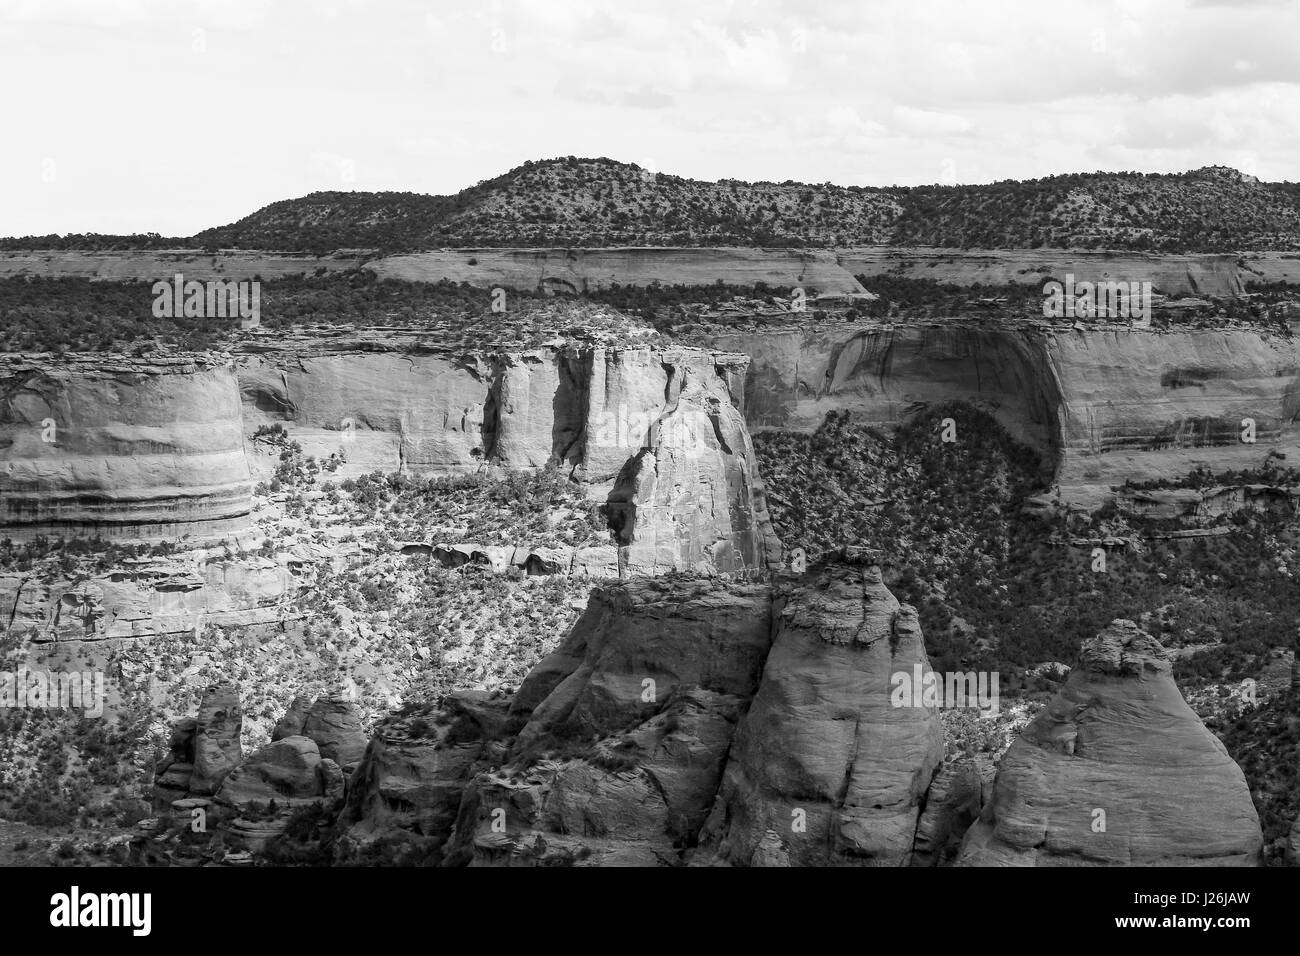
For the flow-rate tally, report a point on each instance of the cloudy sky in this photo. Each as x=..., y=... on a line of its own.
x=174, y=115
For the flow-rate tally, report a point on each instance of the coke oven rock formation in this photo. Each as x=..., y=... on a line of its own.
x=824, y=770
x=614, y=749
x=1117, y=771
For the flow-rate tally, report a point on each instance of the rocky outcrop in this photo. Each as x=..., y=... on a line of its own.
x=693, y=499
x=289, y=771
x=1207, y=503
x=645, y=728
x=149, y=597
x=1103, y=775
x=291, y=724
x=217, y=749
x=614, y=748
x=580, y=270
x=416, y=770
x=335, y=726
x=1190, y=274
x=825, y=770
x=958, y=793
x=120, y=446
x=151, y=265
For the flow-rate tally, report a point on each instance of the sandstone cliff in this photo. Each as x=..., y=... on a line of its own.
x=1103, y=404
x=580, y=270
x=1171, y=274
x=165, y=448
x=92, y=444
x=1117, y=771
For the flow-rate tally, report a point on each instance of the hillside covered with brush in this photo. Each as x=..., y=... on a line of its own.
x=602, y=202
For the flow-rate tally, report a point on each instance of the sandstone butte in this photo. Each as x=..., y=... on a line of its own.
x=1117, y=771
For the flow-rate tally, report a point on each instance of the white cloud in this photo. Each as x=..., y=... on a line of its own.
x=402, y=94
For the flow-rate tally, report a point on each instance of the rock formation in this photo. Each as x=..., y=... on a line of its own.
x=693, y=498
x=147, y=597
x=580, y=270
x=824, y=769
x=614, y=748
x=646, y=727
x=114, y=445
x=289, y=771
x=1117, y=771
x=1101, y=404
x=335, y=726
x=217, y=749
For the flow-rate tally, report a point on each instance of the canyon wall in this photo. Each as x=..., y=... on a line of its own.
x=1102, y=404
x=148, y=597
x=581, y=270
x=576, y=270
x=165, y=448
x=1146, y=405
x=105, y=445
x=1170, y=274
x=162, y=264
x=883, y=374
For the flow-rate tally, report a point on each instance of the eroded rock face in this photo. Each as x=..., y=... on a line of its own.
x=291, y=724
x=1102, y=405
x=335, y=726
x=824, y=769
x=1143, y=405
x=614, y=748
x=287, y=771
x=636, y=644
x=958, y=793
x=1117, y=771
x=217, y=750
x=124, y=446
x=646, y=722
x=416, y=770
x=578, y=270
x=693, y=500
x=149, y=597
